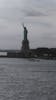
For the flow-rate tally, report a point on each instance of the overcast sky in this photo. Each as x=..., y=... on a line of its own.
x=39, y=16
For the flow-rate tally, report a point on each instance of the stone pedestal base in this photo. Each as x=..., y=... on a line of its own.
x=25, y=46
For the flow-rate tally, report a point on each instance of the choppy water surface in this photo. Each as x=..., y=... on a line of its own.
x=23, y=79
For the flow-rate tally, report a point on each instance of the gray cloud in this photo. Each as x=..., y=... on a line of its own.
x=34, y=13
x=12, y=3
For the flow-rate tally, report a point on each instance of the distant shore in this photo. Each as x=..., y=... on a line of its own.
x=39, y=53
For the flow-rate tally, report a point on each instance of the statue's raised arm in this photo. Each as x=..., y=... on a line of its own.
x=23, y=25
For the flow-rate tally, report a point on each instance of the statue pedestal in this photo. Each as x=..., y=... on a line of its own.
x=25, y=46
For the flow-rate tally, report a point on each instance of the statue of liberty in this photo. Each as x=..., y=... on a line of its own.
x=25, y=42
x=25, y=32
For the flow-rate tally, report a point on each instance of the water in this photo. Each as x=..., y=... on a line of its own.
x=23, y=79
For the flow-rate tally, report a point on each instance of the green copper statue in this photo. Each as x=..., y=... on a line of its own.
x=25, y=32
x=25, y=42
